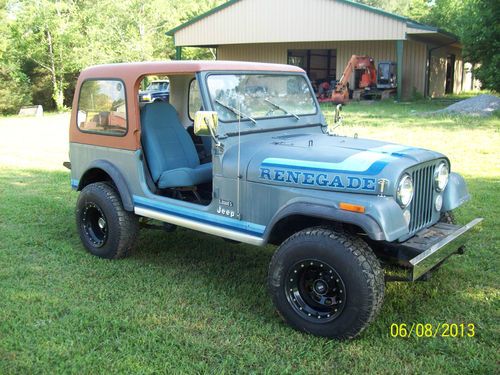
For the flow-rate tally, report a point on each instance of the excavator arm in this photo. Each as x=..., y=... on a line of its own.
x=340, y=94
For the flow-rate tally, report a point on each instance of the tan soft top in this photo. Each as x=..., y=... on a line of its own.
x=128, y=71
x=131, y=73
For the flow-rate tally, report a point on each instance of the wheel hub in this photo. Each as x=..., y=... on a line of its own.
x=315, y=290
x=101, y=222
x=320, y=287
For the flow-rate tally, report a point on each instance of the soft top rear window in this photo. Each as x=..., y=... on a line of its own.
x=102, y=107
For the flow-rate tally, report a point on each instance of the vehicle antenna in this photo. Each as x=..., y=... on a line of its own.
x=238, y=177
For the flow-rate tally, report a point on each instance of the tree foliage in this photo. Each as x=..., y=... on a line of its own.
x=14, y=84
x=52, y=40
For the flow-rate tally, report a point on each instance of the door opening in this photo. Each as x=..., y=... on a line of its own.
x=450, y=74
x=319, y=64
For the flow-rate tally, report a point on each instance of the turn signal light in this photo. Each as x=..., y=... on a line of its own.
x=352, y=207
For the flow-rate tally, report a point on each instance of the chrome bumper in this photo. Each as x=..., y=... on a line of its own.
x=439, y=251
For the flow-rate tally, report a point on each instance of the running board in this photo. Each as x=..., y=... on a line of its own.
x=198, y=226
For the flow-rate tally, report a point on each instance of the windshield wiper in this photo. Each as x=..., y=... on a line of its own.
x=281, y=108
x=236, y=112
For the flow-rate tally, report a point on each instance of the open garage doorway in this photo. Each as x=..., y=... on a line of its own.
x=450, y=73
x=320, y=64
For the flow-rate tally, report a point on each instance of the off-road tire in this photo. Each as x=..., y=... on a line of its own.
x=355, y=263
x=448, y=218
x=122, y=227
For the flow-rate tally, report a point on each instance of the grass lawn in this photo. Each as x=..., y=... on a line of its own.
x=189, y=302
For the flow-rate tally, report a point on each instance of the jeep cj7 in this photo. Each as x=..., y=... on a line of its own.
x=242, y=151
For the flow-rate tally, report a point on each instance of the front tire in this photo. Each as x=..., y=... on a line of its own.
x=326, y=283
x=105, y=228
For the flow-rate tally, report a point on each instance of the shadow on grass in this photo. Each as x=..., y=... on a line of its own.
x=38, y=207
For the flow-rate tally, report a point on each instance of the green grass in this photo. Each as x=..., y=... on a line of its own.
x=189, y=302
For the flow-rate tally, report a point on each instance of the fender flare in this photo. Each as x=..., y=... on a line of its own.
x=116, y=177
x=455, y=193
x=365, y=222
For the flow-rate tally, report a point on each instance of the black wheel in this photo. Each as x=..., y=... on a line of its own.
x=326, y=283
x=448, y=218
x=105, y=228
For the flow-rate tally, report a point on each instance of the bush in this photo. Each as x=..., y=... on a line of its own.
x=489, y=74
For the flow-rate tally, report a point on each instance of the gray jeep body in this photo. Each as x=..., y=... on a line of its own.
x=278, y=176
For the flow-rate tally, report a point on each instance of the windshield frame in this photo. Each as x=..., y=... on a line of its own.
x=263, y=72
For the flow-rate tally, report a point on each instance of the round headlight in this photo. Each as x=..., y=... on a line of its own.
x=441, y=176
x=404, y=194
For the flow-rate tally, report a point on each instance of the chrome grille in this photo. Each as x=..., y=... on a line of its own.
x=421, y=206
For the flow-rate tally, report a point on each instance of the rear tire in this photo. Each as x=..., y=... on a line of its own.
x=326, y=283
x=105, y=228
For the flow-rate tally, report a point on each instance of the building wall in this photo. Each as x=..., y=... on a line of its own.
x=437, y=84
x=469, y=82
x=414, y=68
x=414, y=56
x=265, y=21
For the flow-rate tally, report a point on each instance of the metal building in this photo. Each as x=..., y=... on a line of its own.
x=321, y=35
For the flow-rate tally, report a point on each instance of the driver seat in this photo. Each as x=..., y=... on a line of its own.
x=169, y=150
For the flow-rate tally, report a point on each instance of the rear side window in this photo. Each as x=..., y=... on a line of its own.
x=102, y=107
x=195, y=103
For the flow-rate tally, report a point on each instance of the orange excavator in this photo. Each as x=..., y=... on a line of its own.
x=368, y=82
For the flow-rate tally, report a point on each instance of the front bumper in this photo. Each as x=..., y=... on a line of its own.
x=438, y=243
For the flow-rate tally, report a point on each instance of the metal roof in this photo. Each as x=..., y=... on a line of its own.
x=409, y=22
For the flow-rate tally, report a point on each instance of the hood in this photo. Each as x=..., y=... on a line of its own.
x=325, y=162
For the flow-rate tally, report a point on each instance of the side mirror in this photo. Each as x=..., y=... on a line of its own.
x=206, y=123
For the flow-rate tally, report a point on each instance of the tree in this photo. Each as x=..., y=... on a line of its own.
x=14, y=85
x=414, y=9
x=44, y=32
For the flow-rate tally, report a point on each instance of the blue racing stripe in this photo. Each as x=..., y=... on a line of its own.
x=204, y=217
x=373, y=170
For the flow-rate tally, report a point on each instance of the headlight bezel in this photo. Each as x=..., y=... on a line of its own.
x=439, y=186
x=404, y=201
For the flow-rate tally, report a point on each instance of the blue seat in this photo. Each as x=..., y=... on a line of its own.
x=170, y=152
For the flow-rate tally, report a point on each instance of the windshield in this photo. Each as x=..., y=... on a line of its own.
x=158, y=86
x=260, y=96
